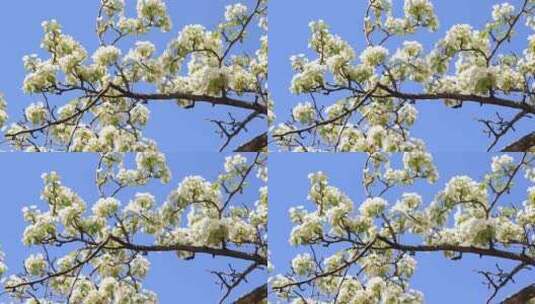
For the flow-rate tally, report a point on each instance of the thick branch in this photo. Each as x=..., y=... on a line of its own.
x=522, y=145
x=256, y=144
x=522, y=296
x=496, y=101
x=462, y=249
x=195, y=249
x=227, y=101
x=254, y=297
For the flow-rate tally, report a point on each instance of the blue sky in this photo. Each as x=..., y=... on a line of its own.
x=442, y=281
x=174, y=128
x=171, y=278
x=442, y=128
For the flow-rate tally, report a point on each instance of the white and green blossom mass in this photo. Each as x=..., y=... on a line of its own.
x=365, y=96
x=366, y=250
x=99, y=251
x=99, y=100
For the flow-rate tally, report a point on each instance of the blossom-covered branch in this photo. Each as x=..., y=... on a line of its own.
x=370, y=104
x=105, y=251
x=372, y=249
x=111, y=91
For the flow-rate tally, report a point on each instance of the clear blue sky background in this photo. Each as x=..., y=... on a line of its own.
x=442, y=281
x=442, y=128
x=174, y=128
x=175, y=280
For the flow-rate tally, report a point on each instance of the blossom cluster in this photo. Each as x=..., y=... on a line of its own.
x=370, y=263
x=371, y=86
x=386, y=121
x=101, y=116
x=102, y=263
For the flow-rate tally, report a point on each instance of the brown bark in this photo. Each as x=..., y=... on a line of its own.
x=523, y=296
x=257, y=144
x=522, y=145
x=492, y=252
x=254, y=297
x=195, y=249
x=483, y=100
x=226, y=101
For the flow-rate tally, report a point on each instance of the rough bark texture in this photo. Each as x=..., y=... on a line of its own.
x=254, y=297
x=522, y=145
x=257, y=144
x=522, y=296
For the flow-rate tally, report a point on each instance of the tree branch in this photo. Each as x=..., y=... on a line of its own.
x=77, y=112
x=496, y=101
x=522, y=296
x=256, y=144
x=464, y=249
x=196, y=98
x=195, y=249
x=522, y=145
x=254, y=297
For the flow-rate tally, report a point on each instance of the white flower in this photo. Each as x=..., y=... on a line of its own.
x=105, y=207
x=303, y=264
x=304, y=113
x=35, y=264
x=502, y=163
x=235, y=164
x=113, y=6
x=82, y=289
x=374, y=55
x=108, y=286
x=308, y=231
x=376, y=135
x=195, y=189
x=531, y=196
x=142, y=202
x=139, y=114
x=420, y=163
x=139, y=266
x=36, y=113
x=530, y=174
x=373, y=207
x=144, y=49
x=209, y=232
x=421, y=11
x=129, y=25
x=408, y=202
x=502, y=12
x=153, y=164
x=155, y=13
x=3, y=267
x=312, y=77
x=464, y=189
x=3, y=111
x=407, y=265
x=279, y=283
x=459, y=35
x=476, y=79
x=43, y=228
x=476, y=232
x=376, y=285
x=235, y=12
x=43, y=78
x=408, y=114
x=507, y=231
x=106, y=55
